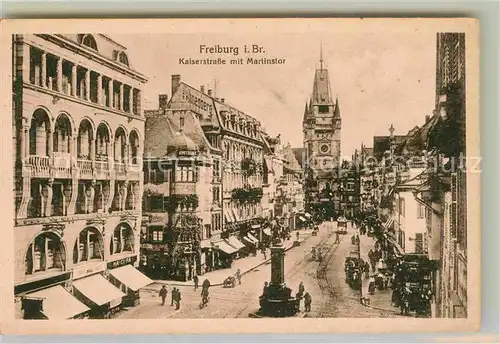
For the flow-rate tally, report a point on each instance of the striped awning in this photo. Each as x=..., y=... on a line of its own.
x=227, y=217
x=254, y=239
x=235, y=215
x=389, y=223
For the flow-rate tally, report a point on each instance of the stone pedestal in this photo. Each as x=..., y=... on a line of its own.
x=277, y=301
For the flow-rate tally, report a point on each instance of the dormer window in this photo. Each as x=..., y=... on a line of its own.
x=123, y=59
x=89, y=41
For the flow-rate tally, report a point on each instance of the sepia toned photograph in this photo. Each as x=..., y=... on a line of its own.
x=278, y=169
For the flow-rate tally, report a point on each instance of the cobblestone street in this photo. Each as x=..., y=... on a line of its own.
x=331, y=296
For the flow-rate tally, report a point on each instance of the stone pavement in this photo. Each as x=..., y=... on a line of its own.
x=382, y=298
x=245, y=265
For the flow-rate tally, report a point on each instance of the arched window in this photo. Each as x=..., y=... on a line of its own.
x=122, y=58
x=120, y=142
x=122, y=240
x=45, y=253
x=134, y=147
x=89, y=41
x=62, y=134
x=88, y=246
x=102, y=142
x=40, y=127
x=84, y=139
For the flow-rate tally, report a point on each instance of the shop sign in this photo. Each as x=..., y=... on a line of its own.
x=186, y=152
x=122, y=262
x=88, y=269
x=158, y=218
x=193, y=98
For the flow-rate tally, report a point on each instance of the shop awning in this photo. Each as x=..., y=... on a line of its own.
x=236, y=216
x=267, y=231
x=302, y=218
x=205, y=244
x=389, y=223
x=248, y=240
x=227, y=217
x=59, y=304
x=255, y=226
x=308, y=215
x=254, y=239
x=98, y=289
x=396, y=246
x=131, y=277
x=233, y=241
x=225, y=247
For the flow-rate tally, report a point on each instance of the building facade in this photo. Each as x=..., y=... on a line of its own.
x=78, y=128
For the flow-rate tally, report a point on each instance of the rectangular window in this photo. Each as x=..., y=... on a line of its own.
x=323, y=109
x=157, y=235
x=419, y=243
x=156, y=203
x=420, y=211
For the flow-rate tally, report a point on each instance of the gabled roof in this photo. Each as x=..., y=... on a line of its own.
x=158, y=134
x=298, y=153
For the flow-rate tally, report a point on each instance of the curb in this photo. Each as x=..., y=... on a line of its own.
x=173, y=283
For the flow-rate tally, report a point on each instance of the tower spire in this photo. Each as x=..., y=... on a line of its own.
x=321, y=56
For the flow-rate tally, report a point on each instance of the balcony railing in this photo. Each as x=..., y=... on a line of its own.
x=85, y=167
x=40, y=166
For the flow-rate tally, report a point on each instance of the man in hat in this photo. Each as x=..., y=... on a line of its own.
x=163, y=294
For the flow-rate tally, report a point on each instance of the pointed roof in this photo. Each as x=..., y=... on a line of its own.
x=321, y=88
x=337, y=108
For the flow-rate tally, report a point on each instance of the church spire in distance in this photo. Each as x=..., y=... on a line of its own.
x=321, y=56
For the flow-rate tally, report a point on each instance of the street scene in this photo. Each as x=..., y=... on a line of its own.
x=180, y=176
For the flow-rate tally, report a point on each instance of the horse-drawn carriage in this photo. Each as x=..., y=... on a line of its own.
x=229, y=282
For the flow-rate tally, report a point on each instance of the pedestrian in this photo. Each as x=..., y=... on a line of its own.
x=307, y=302
x=238, y=276
x=265, y=289
x=337, y=238
x=173, y=296
x=264, y=253
x=297, y=235
x=195, y=280
x=178, y=299
x=163, y=294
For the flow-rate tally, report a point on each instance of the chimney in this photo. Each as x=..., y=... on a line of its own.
x=209, y=93
x=222, y=100
x=427, y=118
x=202, y=89
x=176, y=81
x=163, y=101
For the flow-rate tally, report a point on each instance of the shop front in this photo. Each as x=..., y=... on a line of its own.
x=227, y=254
x=123, y=275
x=53, y=303
x=97, y=293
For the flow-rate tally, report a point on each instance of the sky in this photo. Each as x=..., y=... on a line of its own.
x=381, y=76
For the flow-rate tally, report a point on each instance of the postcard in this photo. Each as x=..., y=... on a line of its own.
x=269, y=175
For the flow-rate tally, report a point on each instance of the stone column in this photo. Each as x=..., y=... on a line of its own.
x=121, y=96
x=59, y=75
x=50, y=149
x=25, y=143
x=131, y=100
x=92, y=148
x=110, y=93
x=278, y=265
x=87, y=84
x=111, y=195
x=48, y=201
x=74, y=80
x=99, y=89
x=74, y=196
x=43, y=73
